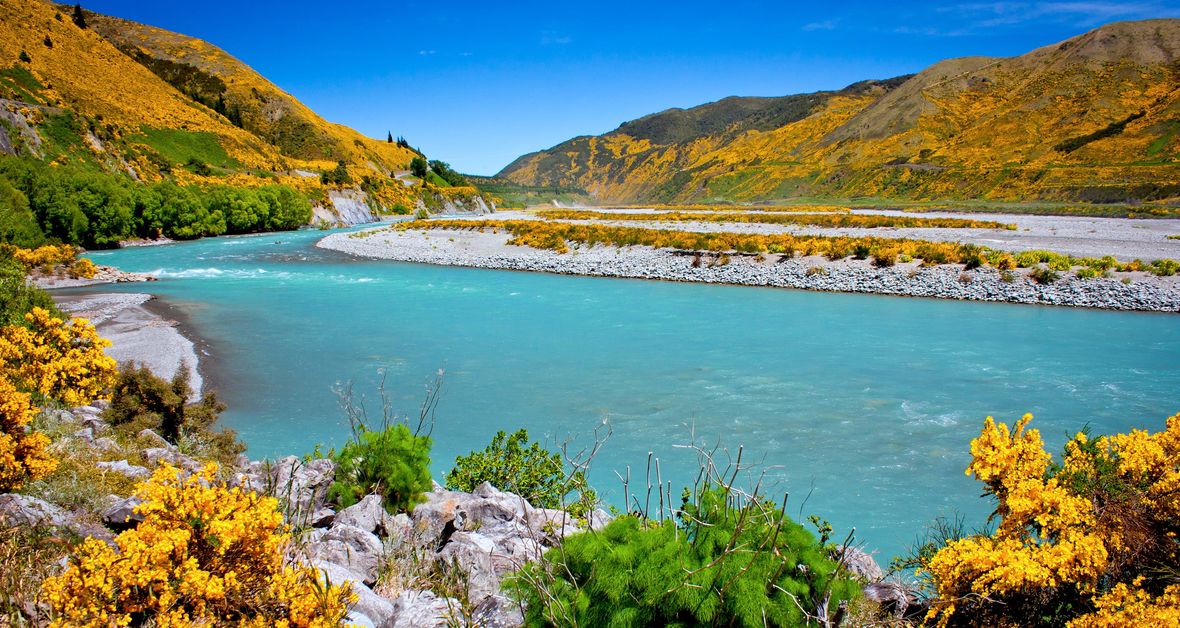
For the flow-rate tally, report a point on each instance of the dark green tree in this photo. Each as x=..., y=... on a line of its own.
x=418, y=167
x=79, y=16
x=389, y=137
x=24, y=57
x=47, y=41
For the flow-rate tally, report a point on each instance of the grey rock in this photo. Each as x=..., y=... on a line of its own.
x=322, y=518
x=25, y=510
x=424, y=609
x=368, y=514
x=121, y=513
x=85, y=434
x=149, y=438
x=374, y=607
x=104, y=444
x=301, y=488
x=357, y=618
x=90, y=410
x=101, y=404
x=157, y=455
x=471, y=553
x=132, y=471
x=497, y=611
x=95, y=425
x=349, y=547
x=861, y=564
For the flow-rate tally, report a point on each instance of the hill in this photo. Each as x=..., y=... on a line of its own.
x=111, y=96
x=1094, y=118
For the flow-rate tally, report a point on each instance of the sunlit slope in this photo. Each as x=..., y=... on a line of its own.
x=212, y=76
x=1096, y=117
x=77, y=73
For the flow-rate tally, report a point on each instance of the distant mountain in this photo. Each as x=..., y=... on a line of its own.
x=125, y=97
x=1093, y=118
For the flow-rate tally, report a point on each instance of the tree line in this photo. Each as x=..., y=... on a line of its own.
x=40, y=203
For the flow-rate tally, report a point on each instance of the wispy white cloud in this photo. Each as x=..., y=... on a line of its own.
x=977, y=16
x=426, y=53
x=825, y=25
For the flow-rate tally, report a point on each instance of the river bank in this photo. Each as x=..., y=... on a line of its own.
x=1127, y=291
x=142, y=330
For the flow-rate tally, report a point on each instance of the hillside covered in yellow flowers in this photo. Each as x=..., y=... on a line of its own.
x=103, y=95
x=1094, y=118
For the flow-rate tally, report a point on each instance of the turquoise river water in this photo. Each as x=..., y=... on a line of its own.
x=862, y=407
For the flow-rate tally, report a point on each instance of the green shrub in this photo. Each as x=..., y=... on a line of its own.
x=716, y=564
x=17, y=297
x=393, y=462
x=1164, y=267
x=1043, y=275
x=141, y=400
x=511, y=463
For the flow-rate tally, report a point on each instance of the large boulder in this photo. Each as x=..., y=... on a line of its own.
x=350, y=547
x=301, y=488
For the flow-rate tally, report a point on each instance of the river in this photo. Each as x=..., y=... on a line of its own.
x=861, y=406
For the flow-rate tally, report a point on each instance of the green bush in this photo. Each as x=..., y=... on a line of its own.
x=393, y=462
x=17, y=297
x=141, y=400
x=1043, y=276
x=717, y=564
x=511, y=463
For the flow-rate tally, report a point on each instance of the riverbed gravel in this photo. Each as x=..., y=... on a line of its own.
x=490, y=250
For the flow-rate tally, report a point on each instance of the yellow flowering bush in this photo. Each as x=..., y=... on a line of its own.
x=204, y=554
x=1093, y=538
x=61, y=360
x=50, y=256
x=22, y=453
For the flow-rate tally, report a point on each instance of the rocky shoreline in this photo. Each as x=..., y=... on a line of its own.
x=1140, y=292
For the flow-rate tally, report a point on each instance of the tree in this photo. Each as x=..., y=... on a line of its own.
x=337, y=176
x=79, y=16
x=389, y=137
x=47, y=41
x=24, y=57
x=418, y=167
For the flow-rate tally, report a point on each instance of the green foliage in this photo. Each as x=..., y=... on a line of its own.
x=142, y=400
x=393, y=462
x=18, y=225
x=511, y=463
x=77, y=205
x=716, y=564
x=179, y=146
x=1110, y=130
x=337, y=176
x=418, y=167
x=444, y=171
x=17, y=297
x=18, y=83
x=1043, y=276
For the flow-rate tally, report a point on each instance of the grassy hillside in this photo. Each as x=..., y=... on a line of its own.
x=109, y=97
x=1095, y=118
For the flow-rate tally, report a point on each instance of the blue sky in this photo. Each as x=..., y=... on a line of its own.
x=477, y=84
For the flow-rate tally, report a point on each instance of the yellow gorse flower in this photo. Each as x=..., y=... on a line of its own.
x=1055, y=533
x=61, y=360
x=205, y=554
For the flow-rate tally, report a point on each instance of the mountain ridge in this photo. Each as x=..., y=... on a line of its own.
x=970, y=127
